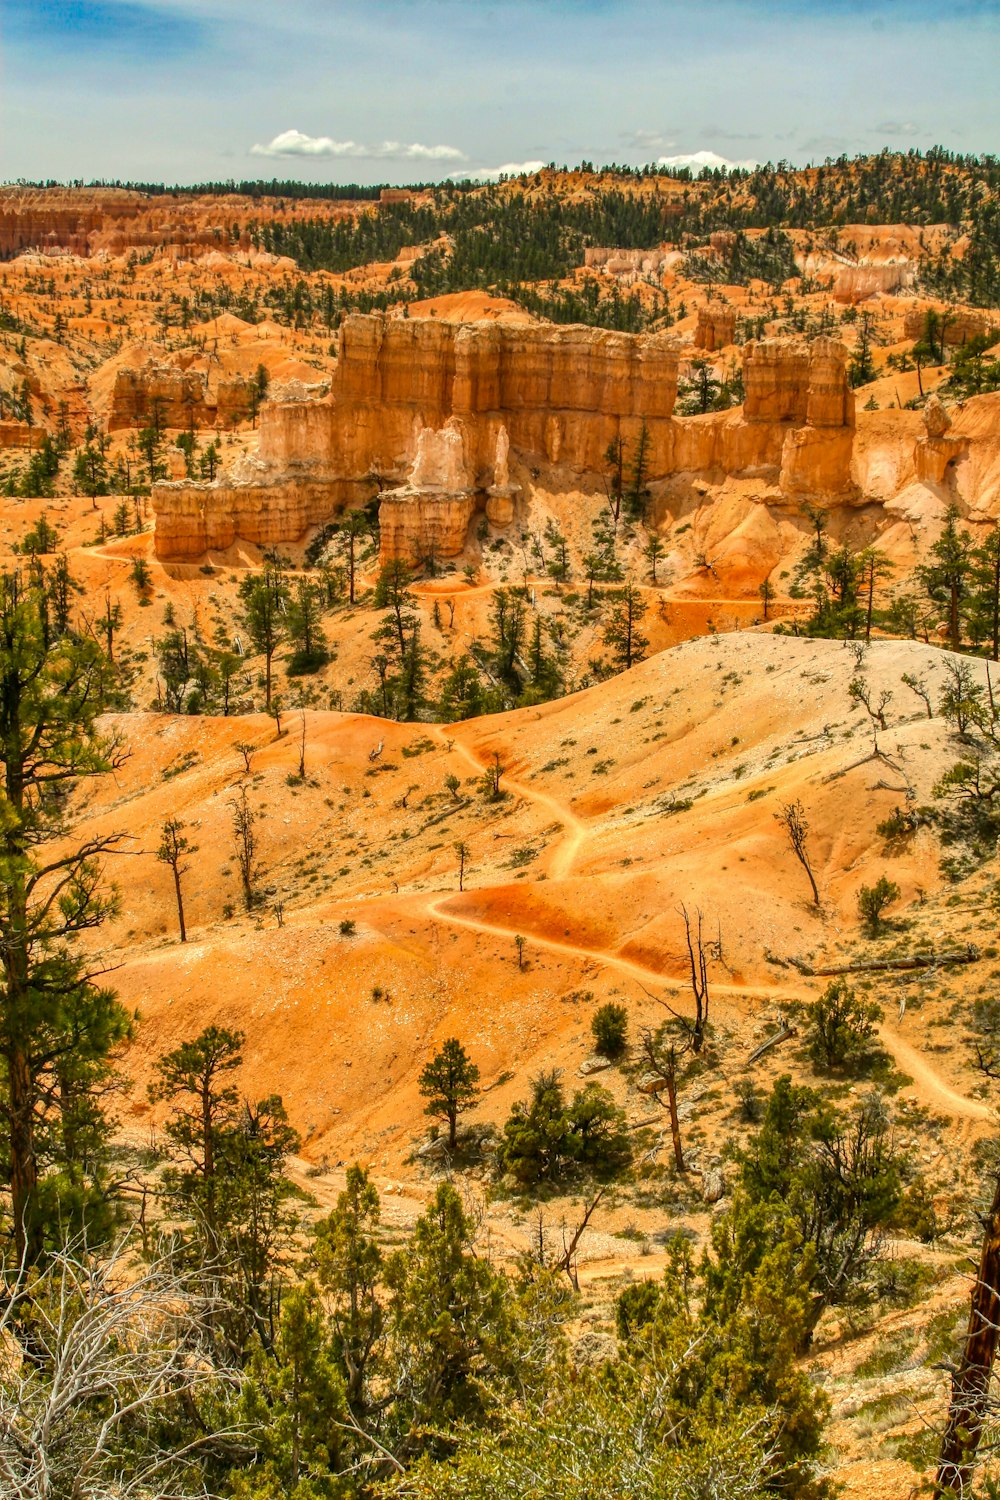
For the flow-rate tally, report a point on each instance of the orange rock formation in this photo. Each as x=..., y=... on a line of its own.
x=433, y=407
x=716, y=326
x=182, y=398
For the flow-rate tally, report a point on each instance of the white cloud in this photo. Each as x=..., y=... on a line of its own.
x=295, y=143
x=698, y=159
x=509, y=169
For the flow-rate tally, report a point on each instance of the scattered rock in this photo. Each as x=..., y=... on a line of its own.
x=713, y=1186
x=593, y=1065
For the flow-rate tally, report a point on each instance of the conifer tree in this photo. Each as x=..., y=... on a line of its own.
x=57, y=1026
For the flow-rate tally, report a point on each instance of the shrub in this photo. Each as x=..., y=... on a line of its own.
x=872, y=901
x=609, y=1025
x=546, y=1139
x=897, y=826
x=839, y=1024
x=347, y=927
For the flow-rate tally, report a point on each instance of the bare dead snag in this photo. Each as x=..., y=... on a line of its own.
x=971, y=1381
x=567, y=1262
x=698, y=960
x=663, y=1055
x=793, y=821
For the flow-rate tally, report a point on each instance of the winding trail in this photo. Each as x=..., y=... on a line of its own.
x=562, y=859
x=915, y=1063
x=575, y=831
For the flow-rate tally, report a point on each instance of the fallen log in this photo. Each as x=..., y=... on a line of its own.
x=772, y=1041
x=968, y=955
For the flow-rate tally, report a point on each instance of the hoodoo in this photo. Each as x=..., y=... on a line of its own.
x=430, y=410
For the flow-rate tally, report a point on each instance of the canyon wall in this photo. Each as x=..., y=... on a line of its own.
x=796, y=425
x=561, y=393
x=853, y=284
x=430, y=409
x=193, y=518
x=960, y=324
x=182, y=398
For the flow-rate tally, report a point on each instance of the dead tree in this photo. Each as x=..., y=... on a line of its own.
x=970, y=1383
x=793, y=821
x=245, y=845
x=663, y=1051
x=861, y=692
x=248, y=751
x=174, y=845
x=698, y=960
x=567, y=1261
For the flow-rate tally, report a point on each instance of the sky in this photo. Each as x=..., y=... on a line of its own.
x=186, y=91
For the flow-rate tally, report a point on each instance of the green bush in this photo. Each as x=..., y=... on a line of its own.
x=609, y=1025
x=839, y=1025
x=545, y=1139
x=872, y=901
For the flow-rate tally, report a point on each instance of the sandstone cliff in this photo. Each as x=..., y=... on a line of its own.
x=180, y=397
x=959, y=324
x=853, y=284
x=429, y=406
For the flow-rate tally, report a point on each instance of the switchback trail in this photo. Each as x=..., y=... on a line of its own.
x=575, y=832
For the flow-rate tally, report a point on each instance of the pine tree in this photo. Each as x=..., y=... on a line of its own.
x=450, y=1084
x=946, y=576
x=622, y=632
x=265, y=603
x=57, y=1027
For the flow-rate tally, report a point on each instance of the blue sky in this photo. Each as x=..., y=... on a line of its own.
x=397, y=90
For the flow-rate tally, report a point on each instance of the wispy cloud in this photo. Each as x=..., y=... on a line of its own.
x=897, y=127
x=296, y=143
x=648, y=140
x=115, y=28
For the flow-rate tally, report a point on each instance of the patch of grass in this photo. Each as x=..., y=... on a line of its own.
x=890, y=1352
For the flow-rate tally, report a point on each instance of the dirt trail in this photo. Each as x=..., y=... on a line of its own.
x=926, y=1081
x=562, y=858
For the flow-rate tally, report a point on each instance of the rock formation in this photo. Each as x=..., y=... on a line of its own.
x=853, y=284
x=20, y=435
x=179, y=397
x=933, y=452
x=960, y=324
x=628, y=263
x=433, y=410
x=716, y=326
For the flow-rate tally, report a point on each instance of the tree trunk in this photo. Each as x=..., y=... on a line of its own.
x=675, y=1124
x=180, y=904
x=971, y=1381
x=23, y=1161
x=812, y=879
